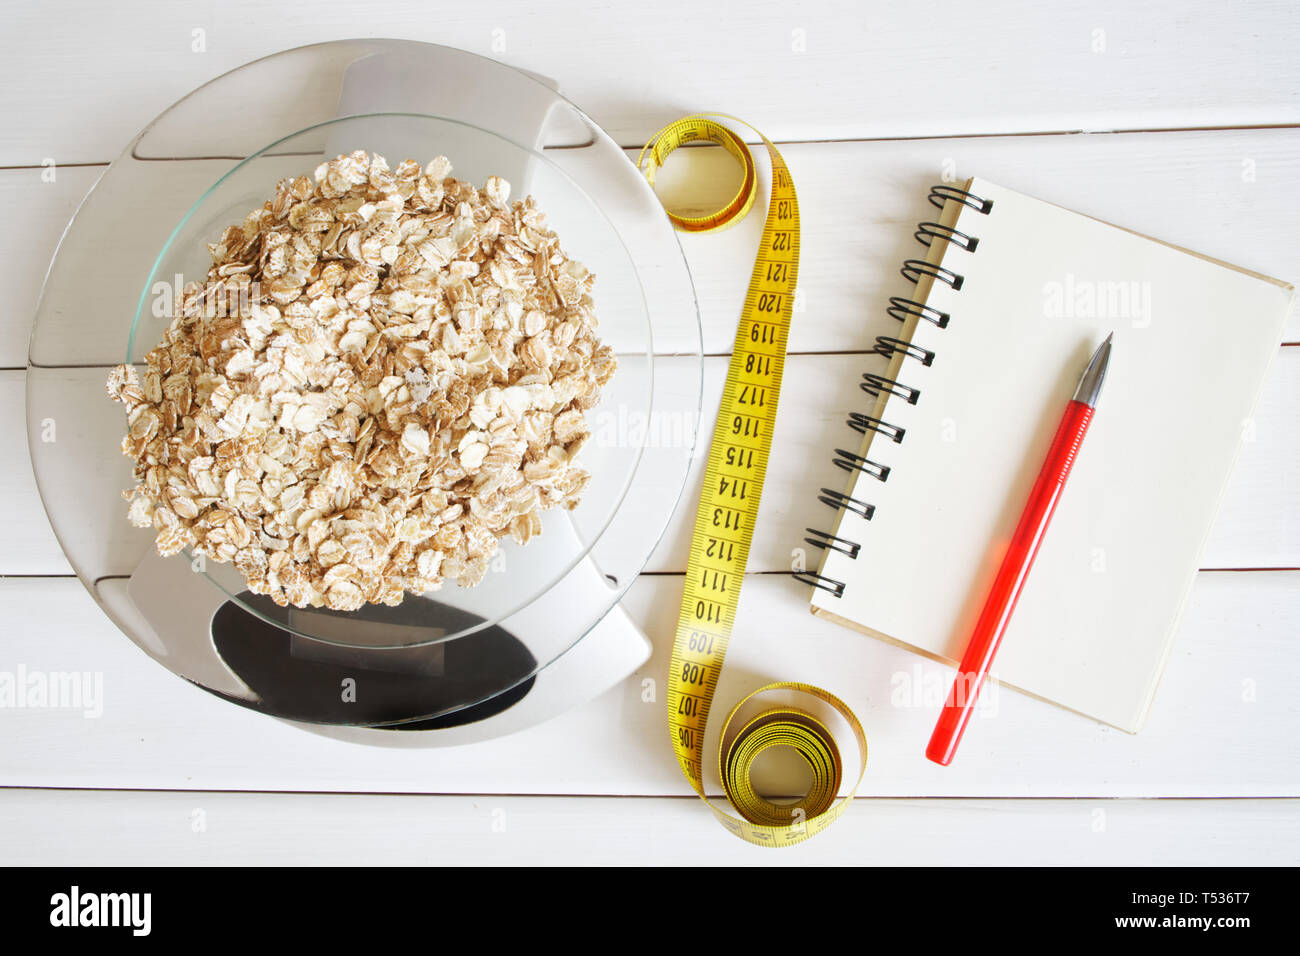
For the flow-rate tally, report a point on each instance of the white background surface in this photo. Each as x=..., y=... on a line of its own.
x=1189, y=111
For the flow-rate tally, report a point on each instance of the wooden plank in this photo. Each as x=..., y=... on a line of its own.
x=1258, y=524
x=1222, y=724
x=98, y=828
x=1224, y=193
x=822, y=70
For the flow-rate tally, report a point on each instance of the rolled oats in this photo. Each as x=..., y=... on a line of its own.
x=383, y=374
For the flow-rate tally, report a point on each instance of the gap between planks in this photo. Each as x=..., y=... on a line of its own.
x=17, y=167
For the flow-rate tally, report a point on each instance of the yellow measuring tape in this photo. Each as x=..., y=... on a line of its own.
x=724, y=525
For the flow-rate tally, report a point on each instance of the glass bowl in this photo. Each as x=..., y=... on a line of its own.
x=519, y=575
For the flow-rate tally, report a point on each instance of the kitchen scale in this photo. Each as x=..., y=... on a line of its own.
x=544, y=631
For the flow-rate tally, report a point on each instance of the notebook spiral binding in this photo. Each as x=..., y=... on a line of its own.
x=902, y=309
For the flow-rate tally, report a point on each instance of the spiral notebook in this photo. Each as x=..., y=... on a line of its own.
x=1012, y=296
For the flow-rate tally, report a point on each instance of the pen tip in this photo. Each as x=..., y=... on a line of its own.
x=1094, y=374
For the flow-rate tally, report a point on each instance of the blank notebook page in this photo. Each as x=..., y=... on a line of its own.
x=1193, y=341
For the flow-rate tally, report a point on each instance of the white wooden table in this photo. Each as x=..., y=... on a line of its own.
x=1177, y=119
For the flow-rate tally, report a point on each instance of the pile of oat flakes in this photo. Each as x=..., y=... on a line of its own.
x=384, y=373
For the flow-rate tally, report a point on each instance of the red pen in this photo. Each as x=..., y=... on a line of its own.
x=975, y=663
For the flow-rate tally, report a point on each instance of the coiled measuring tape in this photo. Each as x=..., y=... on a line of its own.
x=724, y=525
